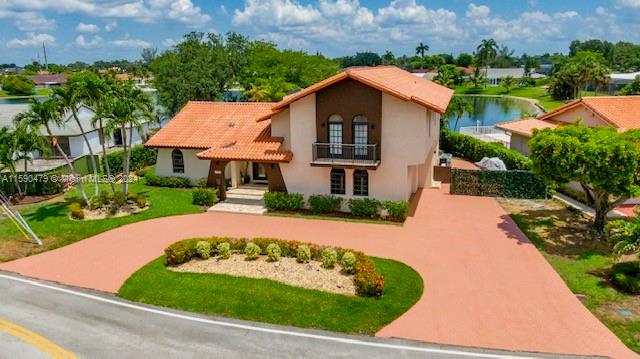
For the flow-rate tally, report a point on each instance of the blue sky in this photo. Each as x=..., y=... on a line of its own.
x=89, y=30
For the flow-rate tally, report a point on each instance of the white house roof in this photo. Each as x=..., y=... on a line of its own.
x=9, y=111
x=625, y=76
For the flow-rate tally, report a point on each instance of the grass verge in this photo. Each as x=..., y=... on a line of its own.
x=268, y=301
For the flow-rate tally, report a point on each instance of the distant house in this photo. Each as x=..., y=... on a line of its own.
x=619, y=80
x=620, y=112
x=49, y=80
x=494, y=76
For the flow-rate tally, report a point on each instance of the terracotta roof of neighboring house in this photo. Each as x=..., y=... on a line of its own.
x=225, y=130
x=122, y=77
x=388, y=79
x=526, y=126
x=41, y=80
x=467, y=70
x=621, y=112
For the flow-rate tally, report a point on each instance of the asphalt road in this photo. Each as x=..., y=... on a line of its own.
x=97, y=325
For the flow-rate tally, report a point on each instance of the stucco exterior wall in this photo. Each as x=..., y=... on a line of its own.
x=78, y=147
x=588, y=118
x=194, y=169
x=281, y=127
x=520, y=143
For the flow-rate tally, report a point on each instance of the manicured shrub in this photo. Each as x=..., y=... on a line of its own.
x=304, y=254
x=324, y=204
x=273, y=252
x=172, y=182
x=473, y=149
x=96, y=202
x=281, y=201
x=140, y=157
x=397, y=210
x=203, y=248
x=626, y=277
x=201, y=183
x=329, y=258
x=141, y=201
x=224, y=250
x=252, y=251
x=365, y=207
x=348, y=262
x=76, y=211
x=510, y=184
x=368, y=281
x=204, y=196
x=118, y=199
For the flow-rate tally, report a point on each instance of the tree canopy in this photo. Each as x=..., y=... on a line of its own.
x=18, y=85
x=604, y=162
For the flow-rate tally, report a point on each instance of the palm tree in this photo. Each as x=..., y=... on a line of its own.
x=477, y=79
x=7, y=151
x=70, y=100
x=457, y=108
x=508, y=82
x=446, y=76
x=28, y=141
x=44, y=115
x=487, y=51
x=599, y=77
x=422, y=49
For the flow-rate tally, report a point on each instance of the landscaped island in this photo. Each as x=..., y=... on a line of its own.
x=360, y=294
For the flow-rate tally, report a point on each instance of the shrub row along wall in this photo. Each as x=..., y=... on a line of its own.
x=140, y=157
x=510, y=184
x=473, y=149
x=369, y=282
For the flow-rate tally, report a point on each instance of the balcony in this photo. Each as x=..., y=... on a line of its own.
x=330, y=154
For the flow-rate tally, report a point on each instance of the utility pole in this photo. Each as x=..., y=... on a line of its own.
x=46, y=64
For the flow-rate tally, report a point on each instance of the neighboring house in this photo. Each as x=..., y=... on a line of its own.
x=619, y=80
x=494, y=76
x=49, y=80
x=620, y=112
x=366, y=132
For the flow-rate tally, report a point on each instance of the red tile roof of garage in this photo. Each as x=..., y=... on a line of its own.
x=225, y=130
x=526, y=126
x=388, y=79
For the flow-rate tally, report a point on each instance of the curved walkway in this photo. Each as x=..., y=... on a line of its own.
x=486, y=285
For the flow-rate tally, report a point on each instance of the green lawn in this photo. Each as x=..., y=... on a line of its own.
x=268, y=301
x=564, y=238
x=536, y=93
x=50, y=220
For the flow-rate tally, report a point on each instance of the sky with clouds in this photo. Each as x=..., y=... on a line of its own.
x=89, y=30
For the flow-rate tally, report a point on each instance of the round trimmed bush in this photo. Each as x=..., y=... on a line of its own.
x=626, y=277
x=203, y=248
x=303, y=255
x=273, y=252
x=224, y=250
x=329, y=258
x=252, y=251
x=348, y=262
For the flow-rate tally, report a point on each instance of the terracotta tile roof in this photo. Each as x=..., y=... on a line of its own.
x=225, y=130
x=45, y=79
x=526, y=126
x=388, y=79
x=622, y=112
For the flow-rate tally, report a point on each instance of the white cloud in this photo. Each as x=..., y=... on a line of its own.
x=82, y=27
x=110, y=26
x=82, y=42
x=28, y=21
x=169, y=42
x=280, y=13
x=32, y=39
x=131, y=43
x=629, y=3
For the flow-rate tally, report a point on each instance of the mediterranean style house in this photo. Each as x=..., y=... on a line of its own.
x=620, y=112
x=365, y=132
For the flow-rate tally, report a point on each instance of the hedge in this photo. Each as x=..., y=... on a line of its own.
x=38, y=183
x=473, y=149
x=141, y=157
x=151, y=179
x=510, y=184
x=626, y=276
x=368, y=281
x=282, y=201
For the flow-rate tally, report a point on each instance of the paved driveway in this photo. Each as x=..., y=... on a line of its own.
x=486, y=285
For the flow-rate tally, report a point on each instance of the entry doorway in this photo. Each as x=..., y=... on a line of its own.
x=259, y=172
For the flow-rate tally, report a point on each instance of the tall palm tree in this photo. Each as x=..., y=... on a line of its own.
x=45, y=115
x=70, y=100
x=7, y=161
x=422, y=49
x=28, y=141
x=508, y=82
x=486, y=52
x=457, y=108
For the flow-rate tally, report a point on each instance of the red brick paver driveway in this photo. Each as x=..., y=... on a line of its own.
x=486, y=285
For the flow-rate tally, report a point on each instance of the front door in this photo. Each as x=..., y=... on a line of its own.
x=259, y=172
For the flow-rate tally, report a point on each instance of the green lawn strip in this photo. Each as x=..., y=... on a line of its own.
x=330, y=218
x=268, y=301
x=51, y=222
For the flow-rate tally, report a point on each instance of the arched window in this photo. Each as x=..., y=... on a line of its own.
x=335, y=135
x=337, y=181
x=177, y=160
x=360, y=136
x=360, y=183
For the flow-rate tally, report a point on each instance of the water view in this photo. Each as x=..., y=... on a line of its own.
x=491, y=110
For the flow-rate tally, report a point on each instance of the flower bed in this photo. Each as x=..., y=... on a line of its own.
x=367, y=280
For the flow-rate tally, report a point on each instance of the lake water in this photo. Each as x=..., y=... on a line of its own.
x=13, y=101
x=491, y=110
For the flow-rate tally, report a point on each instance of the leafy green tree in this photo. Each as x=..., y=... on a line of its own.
x=464, y=59
x=508, y=83
x=457, y=108
x=486, y=52
x=18, y=85
x=201, y=67
x=632, y=88
x=576, y=73
x=504, y=58
x=361, y=59
x=478, y=79
x=388, y=58
x=448, y=75
x=603, y=161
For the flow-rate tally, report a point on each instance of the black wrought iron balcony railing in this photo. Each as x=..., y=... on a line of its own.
x=345, y=154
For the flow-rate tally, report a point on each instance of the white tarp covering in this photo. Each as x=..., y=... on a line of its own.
x=491, y=164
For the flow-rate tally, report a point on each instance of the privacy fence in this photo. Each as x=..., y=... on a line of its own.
x=510, y=184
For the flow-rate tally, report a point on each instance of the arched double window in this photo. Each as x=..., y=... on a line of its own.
x=336, y=132
x=177, y=160
x=360, y=136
